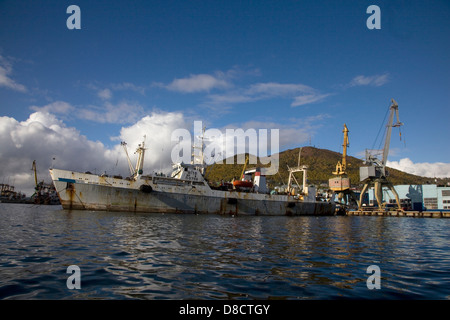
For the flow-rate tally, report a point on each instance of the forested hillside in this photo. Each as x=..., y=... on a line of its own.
x=321, y=164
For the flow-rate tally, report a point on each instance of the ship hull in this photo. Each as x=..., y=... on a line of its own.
x=81, y=192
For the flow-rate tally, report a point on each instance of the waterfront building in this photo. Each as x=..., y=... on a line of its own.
x=415, y=197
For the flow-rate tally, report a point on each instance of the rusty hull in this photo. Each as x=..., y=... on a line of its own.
x=90, y=192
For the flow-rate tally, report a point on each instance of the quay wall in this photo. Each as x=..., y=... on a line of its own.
x=401, y=213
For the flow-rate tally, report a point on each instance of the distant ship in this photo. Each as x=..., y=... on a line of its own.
x=44, y=193
x=185, y=191
x=7, y=194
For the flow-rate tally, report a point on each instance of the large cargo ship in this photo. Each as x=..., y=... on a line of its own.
x=185, y=191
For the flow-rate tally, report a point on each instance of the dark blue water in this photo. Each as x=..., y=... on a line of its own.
x=156, y=256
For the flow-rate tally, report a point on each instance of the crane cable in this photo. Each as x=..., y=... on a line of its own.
x=378, y=134
x=381, y=140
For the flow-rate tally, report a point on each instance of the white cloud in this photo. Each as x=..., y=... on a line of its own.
x=308, y=98
x=228, y=93
x=128, y=86
x=197, y=83
x=106, y=91
x=121, y=113
x=376, y=80
x=5, y=80
x=273, y=89
x=424, y=169
x=59, y=107
x=292, y=133
x=43, y=136
x=158, y=128
x=302, y=94
x=105, y=94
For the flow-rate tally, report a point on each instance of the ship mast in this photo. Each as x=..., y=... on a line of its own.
x=299, y=168
x=140, y=161
x=124, y=145
x=198, y=159
x=137, y=171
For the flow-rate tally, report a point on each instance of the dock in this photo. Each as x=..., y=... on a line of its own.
x=400, y=213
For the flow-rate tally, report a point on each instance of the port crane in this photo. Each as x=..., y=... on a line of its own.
x=375, y=172
x=33, y=167
x=340, y=182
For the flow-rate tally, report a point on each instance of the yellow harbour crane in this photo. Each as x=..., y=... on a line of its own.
x=33, y=167
x=341, y=167
x=340, y=183
x=245, y=166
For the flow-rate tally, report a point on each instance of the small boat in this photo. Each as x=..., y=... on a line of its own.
x=242, y=184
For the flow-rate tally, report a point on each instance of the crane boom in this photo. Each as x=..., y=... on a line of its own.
x=375, y=173
x=390, y=125
x=344, y=152
x=124, y=145
x=341, y=167
x=33, y=167
x=245, y=166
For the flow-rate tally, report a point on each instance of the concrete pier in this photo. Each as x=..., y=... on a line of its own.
x=400, y=213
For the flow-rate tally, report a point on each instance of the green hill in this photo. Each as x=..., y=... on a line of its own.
x=321, y=163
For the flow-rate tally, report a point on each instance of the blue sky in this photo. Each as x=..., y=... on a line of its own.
x=304, y=67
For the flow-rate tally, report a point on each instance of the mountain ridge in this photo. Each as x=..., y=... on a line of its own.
x=321, y=163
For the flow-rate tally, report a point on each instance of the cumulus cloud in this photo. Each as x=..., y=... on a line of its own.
x=5, y=79
x=157, y=129
x=43, y=137
x=375, y=80
x=424, y=169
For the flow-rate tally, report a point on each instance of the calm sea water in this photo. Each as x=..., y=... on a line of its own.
x=169, y=256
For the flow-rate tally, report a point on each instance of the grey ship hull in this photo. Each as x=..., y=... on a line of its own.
x=90, y=192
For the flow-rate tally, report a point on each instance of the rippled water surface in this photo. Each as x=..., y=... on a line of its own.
x=169, y=256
